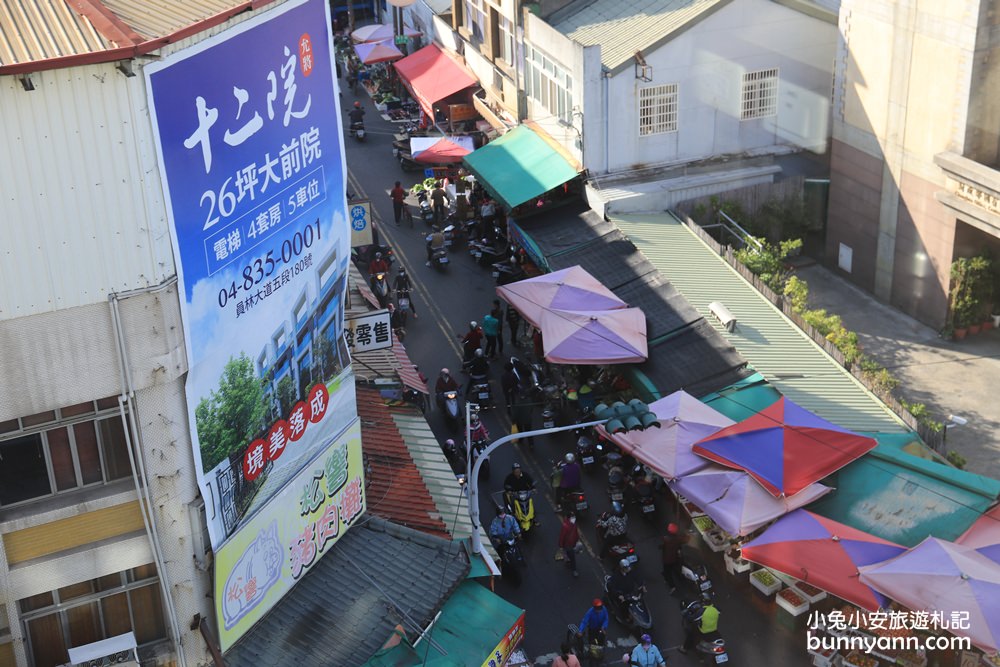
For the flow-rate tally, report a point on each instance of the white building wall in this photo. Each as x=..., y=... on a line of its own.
x=83, y=211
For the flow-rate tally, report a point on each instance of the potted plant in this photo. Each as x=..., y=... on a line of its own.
x=963, y=297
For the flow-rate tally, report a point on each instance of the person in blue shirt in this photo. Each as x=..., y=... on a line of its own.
x=595, y=620
x=503, y=527
x=645, y=654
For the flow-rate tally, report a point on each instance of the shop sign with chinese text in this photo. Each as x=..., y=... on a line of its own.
x=255, y=568
x=248, y=136
x=370, y=331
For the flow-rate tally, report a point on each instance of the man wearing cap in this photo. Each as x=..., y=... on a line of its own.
x=595, y=620
x=646, y=654
x=671, y=551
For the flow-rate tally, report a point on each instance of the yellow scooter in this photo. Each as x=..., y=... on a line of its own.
x=521, y=505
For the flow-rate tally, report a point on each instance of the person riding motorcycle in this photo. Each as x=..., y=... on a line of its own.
x=471, y=341
x=479, y=369
x=624, y=583
x=378, y=265
x=612, y=526
x=444, y=383
x=516, y=481
x=357, y=114
x=699, y=618
x=435, y=241
x=569, y=478
x=401, y=283
x=503, y=528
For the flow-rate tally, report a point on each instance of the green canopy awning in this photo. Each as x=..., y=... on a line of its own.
x=743, y=399
x=902, y=498
x=475, y=624
x=519, y=166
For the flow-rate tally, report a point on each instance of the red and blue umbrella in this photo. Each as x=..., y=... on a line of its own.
x=824, y=553
x=784, y=447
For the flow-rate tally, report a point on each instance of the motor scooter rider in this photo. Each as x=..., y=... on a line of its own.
x=357, y=114
x=401, y=283
x=516, y=481
x=570, y=477
x=595, y=623
x=699, y=618
x=395, y=321
x=503, y=528
x=471, y=340
x=435, y=241
x=624, y=582
x=378, y=265
x=444, y=383
x=479, y=370
x=612, y=526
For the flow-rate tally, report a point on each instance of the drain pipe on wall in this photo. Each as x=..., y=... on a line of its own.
x=136, y=458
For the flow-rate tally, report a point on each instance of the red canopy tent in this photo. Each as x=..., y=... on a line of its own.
x=431, y=76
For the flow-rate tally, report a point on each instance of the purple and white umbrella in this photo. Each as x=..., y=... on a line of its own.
x=567, y=289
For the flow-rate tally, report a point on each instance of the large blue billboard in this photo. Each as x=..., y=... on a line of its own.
x=248, y=134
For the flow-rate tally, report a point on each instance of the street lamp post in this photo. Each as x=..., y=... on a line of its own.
x=617, y=418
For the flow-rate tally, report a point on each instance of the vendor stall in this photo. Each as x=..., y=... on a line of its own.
x=431, y=76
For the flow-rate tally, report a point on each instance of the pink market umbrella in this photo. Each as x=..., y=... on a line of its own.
x=593, y=338
x=941, y=576
x=824, y=553
x=377, y=52
x=684, y=420
x=735, y=501
x=379, y=32
x=440, y=150
x=567, y=289
x=785, y=447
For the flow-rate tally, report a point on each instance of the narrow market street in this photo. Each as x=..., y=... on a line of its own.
x=446, y=302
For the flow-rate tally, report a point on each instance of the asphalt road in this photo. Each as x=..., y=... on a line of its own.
x=552, y=598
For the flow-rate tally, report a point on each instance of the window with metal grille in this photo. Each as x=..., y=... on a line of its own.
x=657, y=109
x=759, y=97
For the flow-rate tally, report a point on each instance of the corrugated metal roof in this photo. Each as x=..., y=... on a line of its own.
x=47, y=34
x=377, y=576
x=772, y=344
x=397, y=491
x=622, y=27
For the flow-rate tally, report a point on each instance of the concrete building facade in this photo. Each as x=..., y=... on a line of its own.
x=915, y=150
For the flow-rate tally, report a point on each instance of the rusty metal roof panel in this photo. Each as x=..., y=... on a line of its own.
x=33, y=30
x=158, y=18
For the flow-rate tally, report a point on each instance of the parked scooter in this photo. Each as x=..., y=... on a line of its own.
x=634, y=613
x=710, y=646
x=509, y=271
x=439, y=259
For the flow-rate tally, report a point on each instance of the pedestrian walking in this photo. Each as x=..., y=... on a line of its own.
x=569, y=537
x=439, y=198
x=508, y=382
x=491, y=329
x=566, y=657
x=513, y=324
x=670, y=549
x=521, y=414
x=497, y=313
x=537, y=345
x=646, y=654
x=397, y=194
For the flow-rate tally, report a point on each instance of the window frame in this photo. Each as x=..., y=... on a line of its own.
x=505, y=29
x=662, y=109
x=759, y=94
x=69, y=426
x=551, y=84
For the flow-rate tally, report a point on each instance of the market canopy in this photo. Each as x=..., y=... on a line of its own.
x=380, y=32
x=941, y=576
x=984, y=534
x=785, y=447
x=824, y=553
x=377, y=52
x=440, y=150
x=903, y=499
x=684, y=420
x=594, y=337
x=519, y=166
x=569, y=289
x=736, y=502
x=431, y=76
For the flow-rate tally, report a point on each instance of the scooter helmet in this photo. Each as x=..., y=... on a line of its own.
x=515, y=466
x=402, y=271
x=378, y=255
x=501, y=511
x=570, y=457
x=637, y=470
x=445, y=371
x=624, y=564
x=449, y=443
x=479, y=352
x=617, y=509
x=357, y=105
x=598, y=602
x=473, y=324
x=672, y=528
x=646, y=639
